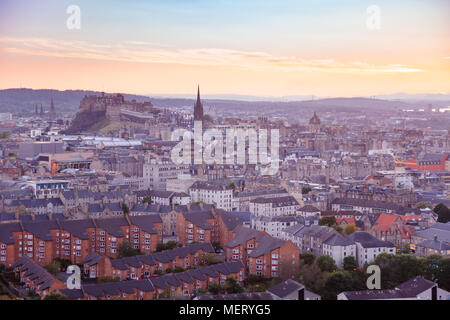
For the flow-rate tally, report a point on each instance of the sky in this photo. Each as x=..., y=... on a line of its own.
x=265, y=48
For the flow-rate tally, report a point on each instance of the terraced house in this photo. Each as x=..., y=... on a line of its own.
x=43, y=241
x=260, y=252
x=36, y=278
x=213, y=225
x=137, y=267
x=185, y=283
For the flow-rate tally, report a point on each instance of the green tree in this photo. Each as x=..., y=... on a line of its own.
x=232, y=286
x=125, y=209
x=396, y=269
x=349, y=229
x=337, y=282
x=178, y=269
x=326, y=263
x=432, y=266
x=405, y=249
x=338, y=228
x=443, y=213
x=288, y=269
x=166, y=246
x=55, y=296
x=443, y=274
x=54, y=267
x=215, y=288
x=350, y=263
x=328, y=221
x=107, y=279
x=216, y=245
x=126, y=249
x=232, y=186
x=423, y=205
x=312, y=277
x=306, y=190
x=209, y=259
x=4, y=135
x=147, y=200
x=308, y=257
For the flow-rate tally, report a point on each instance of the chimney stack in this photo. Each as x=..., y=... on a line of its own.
x=301, y=294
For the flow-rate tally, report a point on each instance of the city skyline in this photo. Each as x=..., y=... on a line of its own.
x=242, y=48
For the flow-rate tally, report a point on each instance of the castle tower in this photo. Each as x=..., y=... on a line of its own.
x=52, y=111
x=198, y=108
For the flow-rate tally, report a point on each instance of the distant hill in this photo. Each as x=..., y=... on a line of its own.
x=22, y=102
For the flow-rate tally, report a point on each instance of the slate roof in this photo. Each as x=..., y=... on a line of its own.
x=146, y=223
x=42, y=278
x=369, y=241
x=285, y=288
x=238, y=296
x=408, y=289
x=230, y=221
x=309, y=208
x=440, y=230
x=163, y=256
x=199, y=218
x=112, y=225
x=40, y=229
x=37, y=203
x=6, y=232
x=78, y=228
x=242, y=235
x=266, y=244
x=434, y=244
x=338, y=240
x=278, y=201
x=92, y=259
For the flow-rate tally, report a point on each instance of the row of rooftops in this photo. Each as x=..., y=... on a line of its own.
x=375, y=204
x=34, y=272
x=149, y=259
x=153, y=284
x=265, y=243
x=331, y=237
x=407, y=290
x=78, y=228
x=277, y=201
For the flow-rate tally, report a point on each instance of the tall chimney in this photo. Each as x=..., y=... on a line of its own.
x=301, y=294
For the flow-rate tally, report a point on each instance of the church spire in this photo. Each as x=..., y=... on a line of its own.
x=198, y=108
x=52, y=110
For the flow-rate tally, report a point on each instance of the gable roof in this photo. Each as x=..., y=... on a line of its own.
x=366, y=240
x=285, y=288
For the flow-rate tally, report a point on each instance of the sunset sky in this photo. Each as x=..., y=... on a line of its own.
x=249, y=47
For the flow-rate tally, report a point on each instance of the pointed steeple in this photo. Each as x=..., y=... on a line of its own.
x=42, y=111
x=52, y=110
x=198, y=108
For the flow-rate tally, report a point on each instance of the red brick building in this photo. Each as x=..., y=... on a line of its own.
x=213, y=225
x=260, y=253
x=36, y=278
x=43, y=241
x=176, y=284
